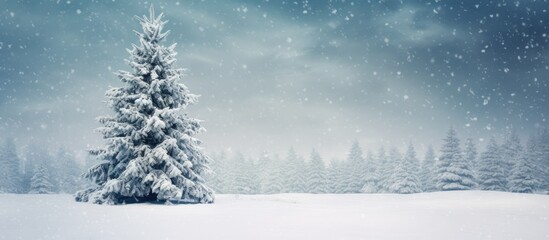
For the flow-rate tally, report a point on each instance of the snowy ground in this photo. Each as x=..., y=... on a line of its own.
x=449, y=215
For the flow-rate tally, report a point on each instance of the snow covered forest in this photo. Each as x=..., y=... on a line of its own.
x=513, y=165
x=35, y=169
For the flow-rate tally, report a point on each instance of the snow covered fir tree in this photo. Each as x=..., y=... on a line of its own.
x=355, y=169
x=40, y=182
x=316, y=174
x=151, y=153
x=405, y=179
x=453, y=170
x=10, y=180
x=523, y=174
x=491, y=173
x=371, y=178
x=428, y=171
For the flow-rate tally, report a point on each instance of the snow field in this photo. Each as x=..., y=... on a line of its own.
x=442, y=215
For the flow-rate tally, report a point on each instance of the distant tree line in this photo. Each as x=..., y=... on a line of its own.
x=509, y=166
x=38, y=171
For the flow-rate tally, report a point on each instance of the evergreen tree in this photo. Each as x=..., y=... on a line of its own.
x=453, y=171
x=354, y=167
x=295, y=173
x=371, y=178
x=335, y=174
x=301, y=184
x=391, y=166
x=471, y=155
x=428, y=171
x=275, y=180
x=383, y=171
x=215, y=176
x=523, y=176
x=534, y=150
x=263, y=169
x=405, y=179
x=491, y=175
x=151, y=153
x=28, y=169
x=89, y=161
x=55, y=168
x=510, y=153
x=69, y=175
x=37, y=155
x=10, y=179
x=227, y=173
x=40, y=182
x=543, y=160
x=316, y=176
x=245, y=177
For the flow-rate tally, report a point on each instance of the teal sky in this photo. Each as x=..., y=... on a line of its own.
x=275, y=74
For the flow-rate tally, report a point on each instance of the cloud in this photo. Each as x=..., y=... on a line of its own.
x=411, y=25
x=271, y=76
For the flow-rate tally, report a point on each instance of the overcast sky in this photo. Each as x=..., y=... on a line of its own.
x=275, y=74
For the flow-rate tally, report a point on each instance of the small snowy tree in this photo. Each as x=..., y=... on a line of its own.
x=40, y=182
x=34, y=154
x=294, y=169
x=510, y=151
x=542, y=148
x=471, y=154
x=316, y=176
x=354, y=167
x=151, y=153
x=491, y=174
x=523, y=175
x=393, y=160
x=217, y=174
x=370, y=178
x=383, y=171
x=428, y=171
x=69, y=174
x=228, y=172
x=405, y=179
x=10, y=179
x=335, y=176
x=246, y=180
x=263, y=167
x=275, y=180
x=453, y=171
